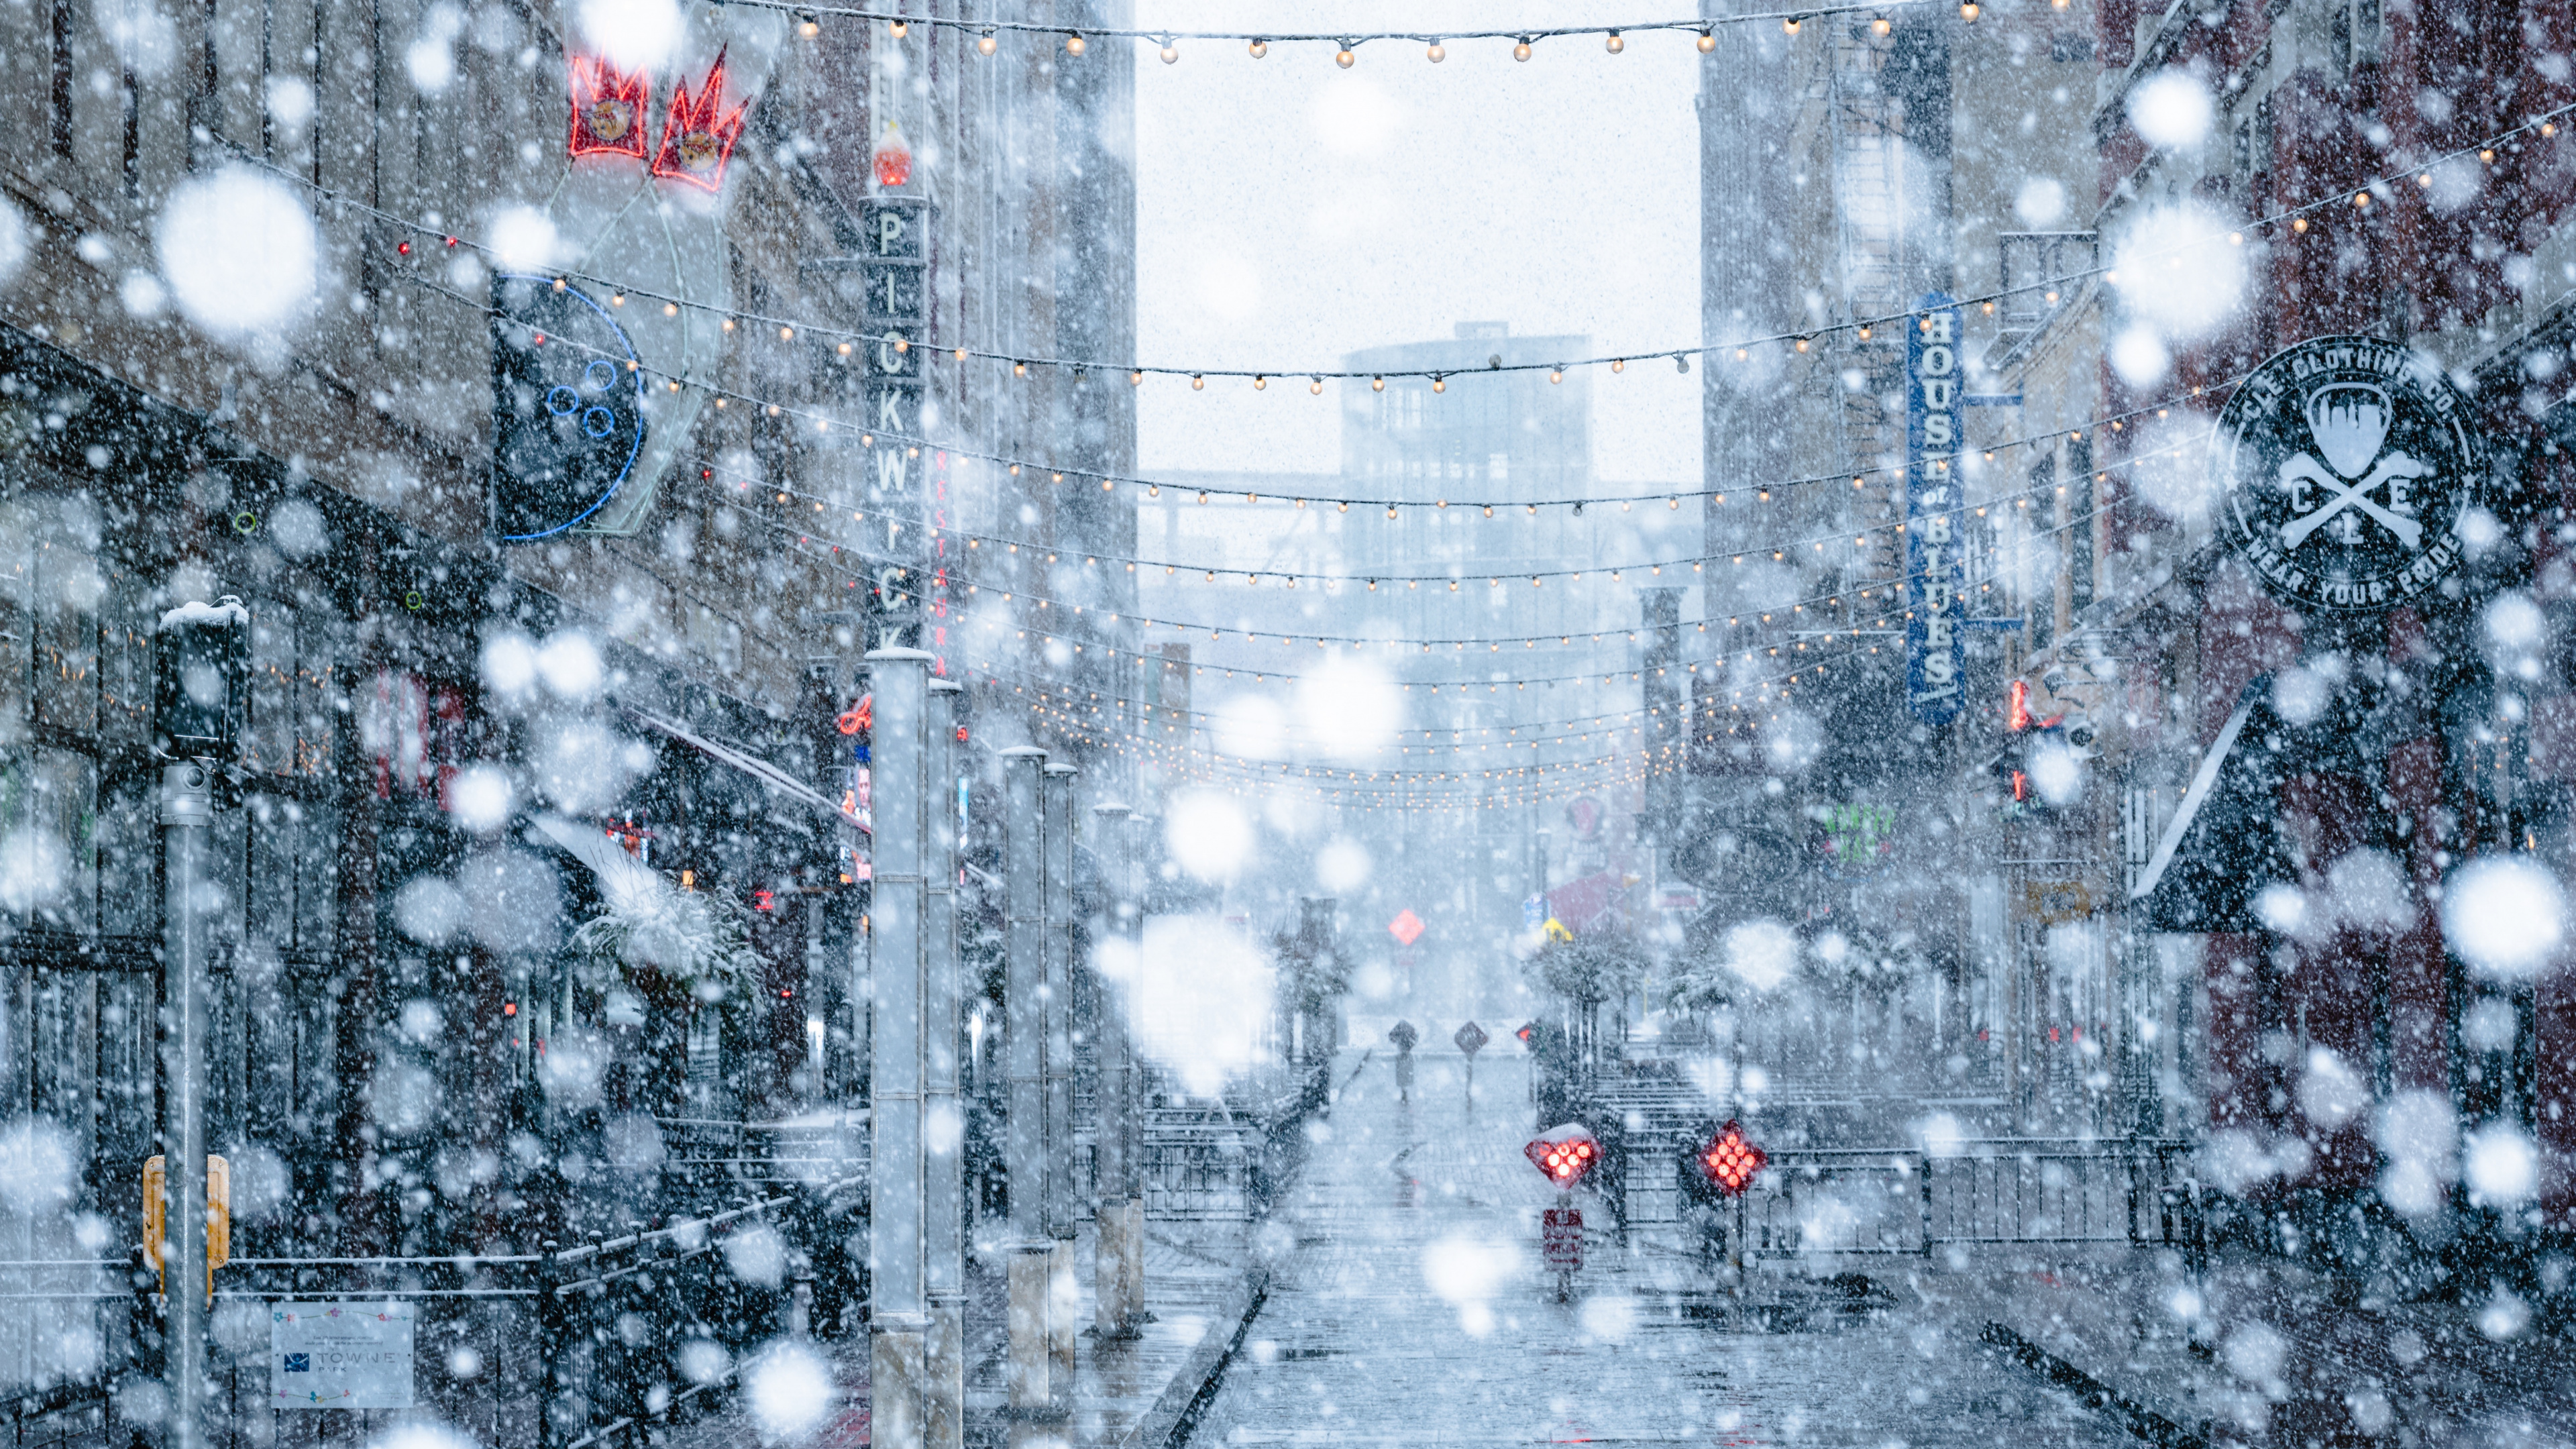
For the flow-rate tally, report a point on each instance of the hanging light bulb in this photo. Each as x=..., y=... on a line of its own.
x=1618, y=364
x=1197, y=383
x=808, y=26
x=1075, y=45
x=1521, y=51
x=1969, y=12
x=1439, y=383
x=985, y=44
x=1019, y=369
x=1259, y=48
x=1316, y=387
x=1880, y=26
x=1707, y=41
x=1171, y=53
x=1437, y=53
x=1615, y=44
x=1136, y=378
x=1345, y=57
x=1789, y=26
x=1344, y=506
x=1377, y=384
x=901, y=28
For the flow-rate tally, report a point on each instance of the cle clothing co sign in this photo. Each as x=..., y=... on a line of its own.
x=2342, y=468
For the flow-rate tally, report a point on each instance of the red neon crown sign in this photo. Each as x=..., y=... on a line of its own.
x=695, y=145
x=608, y=108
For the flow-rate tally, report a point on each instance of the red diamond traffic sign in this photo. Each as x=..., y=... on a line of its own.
x=1407, y=927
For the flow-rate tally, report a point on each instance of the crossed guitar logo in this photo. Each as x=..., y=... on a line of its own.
x=2343, y=466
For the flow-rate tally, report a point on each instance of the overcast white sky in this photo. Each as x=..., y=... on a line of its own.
x=1290, y=211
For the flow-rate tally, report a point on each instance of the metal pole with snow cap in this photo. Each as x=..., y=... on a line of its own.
x=1033, y=1386
x=1062, y=1191
x=203, y=675
x=899, y=1308
x=1121, y=1240
x=943, y=1117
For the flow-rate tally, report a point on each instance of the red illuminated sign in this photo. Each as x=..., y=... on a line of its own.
x=1730, y=1162
x=696, y=145
x=608, y=108
x=1564, y=1154
x=858, y=718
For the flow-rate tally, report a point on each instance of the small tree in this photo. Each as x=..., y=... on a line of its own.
x=679, y=952
x=1589, y=970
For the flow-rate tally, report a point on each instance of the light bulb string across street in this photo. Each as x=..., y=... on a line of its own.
x=824, y=422
x=2343, y=197
x=1779, y=549
x=1077, y=38
x=1217, y=632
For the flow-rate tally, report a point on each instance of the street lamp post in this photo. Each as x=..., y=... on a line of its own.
x=943, y=1107
x=1056, y=831
x=899, y=1314
x=1033, y=1386
x=204, y=649
x=1120, y=1250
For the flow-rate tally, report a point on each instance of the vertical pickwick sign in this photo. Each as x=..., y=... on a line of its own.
x=1935, y=580
x=895, y=303
x=2342, y=467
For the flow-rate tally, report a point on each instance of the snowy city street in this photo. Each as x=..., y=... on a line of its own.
x=1413, y=1308
x=1132, y=724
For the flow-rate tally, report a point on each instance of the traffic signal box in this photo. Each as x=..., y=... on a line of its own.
x=219, y=1216
x=1564, y=1154
x=1729, y=1162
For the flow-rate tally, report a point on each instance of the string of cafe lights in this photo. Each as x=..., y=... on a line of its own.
x=1147, y=625
x=1215, y=768
x=1689, y=666
x=1288, y=578
x=1493, y=645
x=1672, y=497
x=1078, y=39
x=1715, y=496
x=2295, y=217
x=1777, y=548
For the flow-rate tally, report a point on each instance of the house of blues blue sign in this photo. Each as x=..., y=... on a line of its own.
x=1935, y=580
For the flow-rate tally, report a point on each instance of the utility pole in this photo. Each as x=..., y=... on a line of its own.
x=1056, y=831
x=1033, y=1386
x=943, y=1109
x=187, y=819
x=900, y=1311
x=1119, y=1252
x=204, y=653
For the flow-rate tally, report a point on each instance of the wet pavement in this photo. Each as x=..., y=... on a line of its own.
x=1408, y=1304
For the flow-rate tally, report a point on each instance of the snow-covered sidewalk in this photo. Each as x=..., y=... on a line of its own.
x=2258, y=1351
x=1198, y=1286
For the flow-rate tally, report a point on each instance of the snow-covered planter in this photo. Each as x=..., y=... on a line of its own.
x=650, y=932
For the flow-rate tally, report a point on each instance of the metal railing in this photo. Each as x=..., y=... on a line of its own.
x=569, y=1348
x=1907, y=1201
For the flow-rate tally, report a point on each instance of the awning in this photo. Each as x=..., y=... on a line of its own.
x=1583, y=904
x=2223, y=845
x=769, y=775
